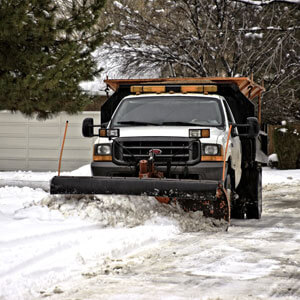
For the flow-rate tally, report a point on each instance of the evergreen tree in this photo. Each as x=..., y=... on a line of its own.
x=45, y=51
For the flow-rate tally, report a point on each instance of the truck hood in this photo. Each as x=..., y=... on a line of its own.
x=169, y=131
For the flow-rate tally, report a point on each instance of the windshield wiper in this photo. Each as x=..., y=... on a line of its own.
x=180, y=123
x=136, y=123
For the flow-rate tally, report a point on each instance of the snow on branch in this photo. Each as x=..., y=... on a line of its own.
x=266, y=2
x=212, y=38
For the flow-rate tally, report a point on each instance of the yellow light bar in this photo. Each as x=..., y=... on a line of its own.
x=199, y=88
x=210, y=88
x=154, y=89
x=192, y=88
x=136, y=89
x=148, y=89
x=102, y=158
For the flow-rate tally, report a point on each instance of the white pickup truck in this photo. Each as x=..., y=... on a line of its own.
x=177, y=134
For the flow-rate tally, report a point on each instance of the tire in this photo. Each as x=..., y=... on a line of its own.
x=254, y=201
x=237, y=209
x=238, y=212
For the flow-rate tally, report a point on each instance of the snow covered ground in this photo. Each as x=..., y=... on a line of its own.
x=113, y=247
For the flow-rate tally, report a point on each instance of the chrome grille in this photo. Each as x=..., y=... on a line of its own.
x=176, y=151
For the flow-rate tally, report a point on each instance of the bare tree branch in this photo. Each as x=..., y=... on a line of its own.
x=213, y=38
x=267, y=2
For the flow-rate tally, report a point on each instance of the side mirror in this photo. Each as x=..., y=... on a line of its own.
x=254, y=127
x=88, y=127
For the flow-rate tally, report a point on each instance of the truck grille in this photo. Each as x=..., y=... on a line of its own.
x=177, y=151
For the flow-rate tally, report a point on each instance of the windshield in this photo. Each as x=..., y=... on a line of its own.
x=169, y=110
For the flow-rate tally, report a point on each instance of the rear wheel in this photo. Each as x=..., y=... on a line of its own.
x=238, y=211
x=249, y=203
x=254, y=203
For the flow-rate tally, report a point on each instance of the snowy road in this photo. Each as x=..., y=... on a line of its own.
x=253, y=260
x=137, y=249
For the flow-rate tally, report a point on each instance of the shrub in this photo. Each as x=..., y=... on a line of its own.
x=287, y=146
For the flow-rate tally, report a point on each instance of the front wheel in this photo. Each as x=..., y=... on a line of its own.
x=249, y=203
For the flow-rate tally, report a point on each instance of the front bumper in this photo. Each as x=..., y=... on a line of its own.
x=201, y=171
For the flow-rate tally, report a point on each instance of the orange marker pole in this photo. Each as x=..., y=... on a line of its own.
x=62, y=148
x=224, y=161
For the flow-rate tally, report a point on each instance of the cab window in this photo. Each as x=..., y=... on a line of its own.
x=230, y=116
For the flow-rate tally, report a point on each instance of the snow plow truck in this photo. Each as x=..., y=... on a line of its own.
x=196, y=141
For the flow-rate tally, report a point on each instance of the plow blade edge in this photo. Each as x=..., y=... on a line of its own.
x=205, y=195
x=128, y=185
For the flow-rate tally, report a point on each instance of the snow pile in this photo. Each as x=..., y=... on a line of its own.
x=37, y=179
x=29, y=176
x=82, y=171
x=130, y=211
x=273, y=176
x=40, y=246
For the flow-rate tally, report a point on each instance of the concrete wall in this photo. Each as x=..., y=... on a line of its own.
x=28, y=144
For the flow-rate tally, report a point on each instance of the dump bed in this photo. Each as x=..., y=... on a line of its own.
x=239, y=93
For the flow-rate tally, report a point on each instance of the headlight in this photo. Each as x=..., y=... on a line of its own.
x=104, y=149
x=211, y=150
x=199, y=133
x=109, y=132
x=113, y=132
x=195, y=133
